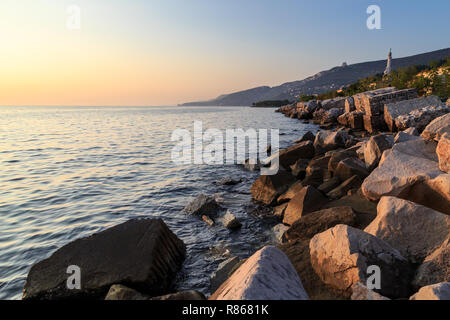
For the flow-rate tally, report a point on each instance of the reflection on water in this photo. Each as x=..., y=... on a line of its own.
x=67, y=172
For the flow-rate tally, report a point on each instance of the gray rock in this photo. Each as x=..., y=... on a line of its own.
x=375, y=148
x=203, y=205
x=421, y=118
x=267, y=189
x=142, y=253
x=394, y=110
x=306, y=201
x=230, y=221
x=341, y=256
x=435, y=268
x=403, y=137
x=222, y=273
x=407, y=163
x=329, y=140
x=267, y=275
x=437, y=128
x=351, y=183
x=401, y=223
x=438, y=291
x=279, y=231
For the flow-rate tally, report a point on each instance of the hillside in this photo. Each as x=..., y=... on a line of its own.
x=321, y=82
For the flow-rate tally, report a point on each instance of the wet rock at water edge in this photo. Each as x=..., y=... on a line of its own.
x=267, y=189
x=223, y=272
x=142, y=253
x=203, y=205
x=230, y=221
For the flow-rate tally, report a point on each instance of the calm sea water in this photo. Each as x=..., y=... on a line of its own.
x=67, y=172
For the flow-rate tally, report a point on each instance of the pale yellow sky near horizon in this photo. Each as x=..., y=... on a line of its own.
x=44, y=63
x=165, y=52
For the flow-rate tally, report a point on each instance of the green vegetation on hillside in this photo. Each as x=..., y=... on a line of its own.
x=432, y=79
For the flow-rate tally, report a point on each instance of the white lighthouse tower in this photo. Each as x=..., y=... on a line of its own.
x=389, y=63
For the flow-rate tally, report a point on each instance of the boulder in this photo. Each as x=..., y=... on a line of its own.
x=350, y=167
x=341, y=257
x=375, y=148
x=267, y=189
x=329, y=140
x=314, y=177
x=406, y=164
x=352, y=119
x=308, y=136
x=436, y=128
x=230, y=221
x=435, y=268
x=298, y=253
x=203, y=205
x=142, y=253
x=308, y=106
x=334, y=103
x=400, y=223
x=438, y=291
x=374, y=123
x=291, y=192
x=403, y=137
x=223, y=272
x=420, y=118
x=120, y=292
x=306, y=201
x=340, y=155
x=298, y=169
x=432, y=193
x=329, y=185
x=361, y=292
x=278, y=211
x=311, y=224
x=320, y=163
x=373, y=102
x=353, y=182
x=443, y=152
x=279, y=231
x=396, y=109
x=267, y=275
x=302, y=150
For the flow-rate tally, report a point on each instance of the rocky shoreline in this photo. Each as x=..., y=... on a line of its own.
x=372, y=188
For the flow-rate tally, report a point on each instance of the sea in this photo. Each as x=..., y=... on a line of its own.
x=69, y=172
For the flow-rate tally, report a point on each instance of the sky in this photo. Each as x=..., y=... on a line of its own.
x=165, y=52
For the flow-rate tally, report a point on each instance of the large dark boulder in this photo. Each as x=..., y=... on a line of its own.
x=142, y=254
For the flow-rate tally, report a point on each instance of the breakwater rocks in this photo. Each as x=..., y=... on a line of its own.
x=369, y=198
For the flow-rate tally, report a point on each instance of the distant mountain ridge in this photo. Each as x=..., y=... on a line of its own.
x=321, y=82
